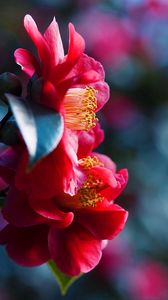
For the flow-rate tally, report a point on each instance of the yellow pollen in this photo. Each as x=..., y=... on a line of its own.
x=89, y=194
x=80, y=106
x=90, y=162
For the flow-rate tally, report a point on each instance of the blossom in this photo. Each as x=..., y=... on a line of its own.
x=74, y=227
x=73, y=85
x=109, y=32
x=148, y=280
x=63, y=208
x=75, y=74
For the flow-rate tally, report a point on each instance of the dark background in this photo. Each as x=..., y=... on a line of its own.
x=130, y=39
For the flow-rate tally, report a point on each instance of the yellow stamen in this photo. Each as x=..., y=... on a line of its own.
x=90, y=162
x=89, y=194
x=80, y=106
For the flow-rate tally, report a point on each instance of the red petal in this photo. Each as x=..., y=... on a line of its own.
x=27, y=61
x=111, y=193
x=53, y=38
x=76, y=44
x=89, y=140
x=103, y=93
x=18, y=212
x=107, y=161
x=74, y=250
x=48, y=209
x=49, y=96
x=76, y=48
x=106, y=175
x=90, y=72
x=87, y=70
x=28, y=246
x=39, y=42
x=103, y=223
x=58, y=171
x=114, y=182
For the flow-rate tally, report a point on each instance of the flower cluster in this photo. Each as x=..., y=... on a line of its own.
x=60, y=194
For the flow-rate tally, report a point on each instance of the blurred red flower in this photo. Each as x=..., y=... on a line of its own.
x=148, y=280
x=110, y=39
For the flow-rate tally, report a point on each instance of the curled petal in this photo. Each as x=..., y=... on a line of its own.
x=87, y=70
x=74, y=250
x=90, y=72
x=114, y=182
x=48, y=209
x=103, y=223
x=107, y=161
x=106, y=175
x=27, y=62
x=111, y=193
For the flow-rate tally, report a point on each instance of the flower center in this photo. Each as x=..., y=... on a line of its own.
x=89, y=194
x=80, y=106
x=90, y=162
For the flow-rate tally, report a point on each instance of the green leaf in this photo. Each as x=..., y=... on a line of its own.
x=40, y=126
x=63, y=280
x=3, y=110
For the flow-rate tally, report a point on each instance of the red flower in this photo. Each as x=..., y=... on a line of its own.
x=73, y=85
x=75, y=225
x=148, y=280
x=63, y=209
x=109, y=32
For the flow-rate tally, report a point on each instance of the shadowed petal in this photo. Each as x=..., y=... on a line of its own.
x=18, y=212
x=48, y=209
x=28, y=246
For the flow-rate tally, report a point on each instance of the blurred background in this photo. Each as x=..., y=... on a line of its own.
x=130, y=39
